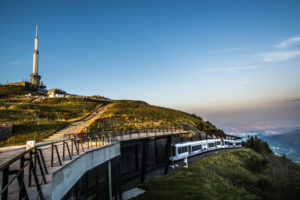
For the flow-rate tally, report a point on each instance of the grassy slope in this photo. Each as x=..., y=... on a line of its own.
x=229, y=175
x=38, y=118
x=126, y=114
x=14, y=90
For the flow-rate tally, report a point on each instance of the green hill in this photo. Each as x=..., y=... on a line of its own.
x=14, y=90
x=38, y=118
x=127, y=114
x=240, y=174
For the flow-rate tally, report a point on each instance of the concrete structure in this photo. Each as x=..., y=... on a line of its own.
x=5, y=130
x=88, y=167
x=64, y=178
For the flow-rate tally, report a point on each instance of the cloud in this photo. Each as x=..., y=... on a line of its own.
x=288, y=42
x=296, y=100
x=19, y=62
x=278, y=56
x=233, y=68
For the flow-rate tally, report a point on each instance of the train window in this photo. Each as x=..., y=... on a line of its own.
x=182, y=150
x=218, y=143
x=211, y=144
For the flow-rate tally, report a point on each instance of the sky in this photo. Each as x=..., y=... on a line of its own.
x=227, y=61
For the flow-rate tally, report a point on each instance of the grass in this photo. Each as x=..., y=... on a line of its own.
x=229, y=175
x=126, y=114
x=38, y=118
x=216, y=177
x=14, y=90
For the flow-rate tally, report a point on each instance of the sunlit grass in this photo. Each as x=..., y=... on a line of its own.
x=126, y=115
x=38, y=118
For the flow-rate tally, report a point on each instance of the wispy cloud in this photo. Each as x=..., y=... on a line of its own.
x=19, y=62
x=296, y=100
x=233, y=68
x=288, y=42
x=278, y=56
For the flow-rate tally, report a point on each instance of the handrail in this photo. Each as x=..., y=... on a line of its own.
x=33, y=160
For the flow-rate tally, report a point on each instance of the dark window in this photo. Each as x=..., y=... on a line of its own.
x=211, y=144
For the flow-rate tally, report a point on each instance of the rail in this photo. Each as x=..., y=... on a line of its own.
x=29, y=170
x=30, y=167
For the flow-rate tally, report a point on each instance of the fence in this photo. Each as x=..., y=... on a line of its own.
x=23, y=176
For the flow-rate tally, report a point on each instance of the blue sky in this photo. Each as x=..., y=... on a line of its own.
x=224, y=60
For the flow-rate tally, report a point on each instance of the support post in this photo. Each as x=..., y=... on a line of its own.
x=43, y=161
x=144, y=160
x=30, y=168
x=5, y=174
x=63, y=150
x=136, y=152
x=52, y=154
x=109, y=181
x=118, y=176
x=167, y=153
x=156, y=151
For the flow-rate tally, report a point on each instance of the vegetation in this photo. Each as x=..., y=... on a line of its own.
x=126, y=115
x=38, y=118
x=14, y=90
x=234, y=174
x=258, y=145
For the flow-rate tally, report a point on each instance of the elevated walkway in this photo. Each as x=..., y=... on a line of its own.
x=48, y=170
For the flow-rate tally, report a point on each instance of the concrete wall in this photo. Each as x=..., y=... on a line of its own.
x=68, y=175
x=5, y=130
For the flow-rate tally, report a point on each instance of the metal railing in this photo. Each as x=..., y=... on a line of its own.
x=29, y=169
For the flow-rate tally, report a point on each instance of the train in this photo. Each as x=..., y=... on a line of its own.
x=186, y=149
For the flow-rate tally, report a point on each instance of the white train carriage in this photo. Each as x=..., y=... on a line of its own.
x=232, y=143
x=182, y=150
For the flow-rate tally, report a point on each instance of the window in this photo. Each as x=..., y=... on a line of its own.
x=211, y=144
x=196, y=148
x=182, y=149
